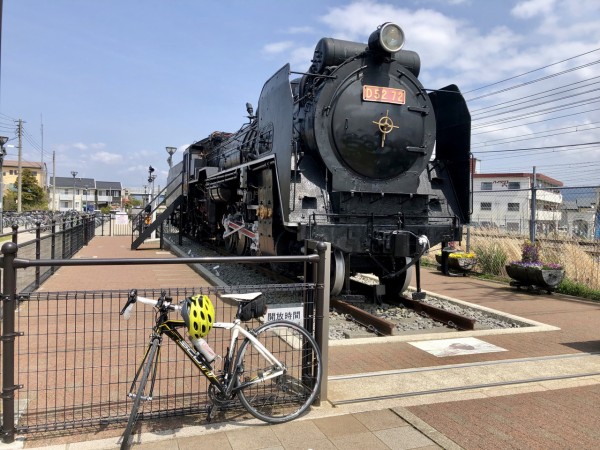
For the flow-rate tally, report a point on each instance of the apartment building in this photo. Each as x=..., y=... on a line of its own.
x=83, y=194
x=503, y=201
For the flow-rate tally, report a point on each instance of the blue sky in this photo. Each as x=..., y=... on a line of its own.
x=116, y=81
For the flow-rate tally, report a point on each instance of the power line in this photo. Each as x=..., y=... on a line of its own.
x=535, y=122
x=546, y=152
x=536, y=113
x=537, y=148
x=530, y=104
x=531, y=71
x=519, y=138
x=546, y=91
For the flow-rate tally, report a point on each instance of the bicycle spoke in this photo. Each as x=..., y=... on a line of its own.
x=285, y=397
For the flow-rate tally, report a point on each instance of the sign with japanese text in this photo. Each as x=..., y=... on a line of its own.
x=294, y=312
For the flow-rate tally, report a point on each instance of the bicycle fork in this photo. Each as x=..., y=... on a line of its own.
x=132, y=391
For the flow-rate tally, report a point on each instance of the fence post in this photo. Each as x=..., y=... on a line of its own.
x=53, y=245
x=38, y=251
x=322, y=313
x=80, y=232
x=9, y=295
x=64, y=238
x=86, y=238
x=532, y=224
x=15, y=237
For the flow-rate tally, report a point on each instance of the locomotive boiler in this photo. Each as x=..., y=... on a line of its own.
x=354, y=151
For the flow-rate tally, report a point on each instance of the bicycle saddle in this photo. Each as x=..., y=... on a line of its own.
x=242, y=297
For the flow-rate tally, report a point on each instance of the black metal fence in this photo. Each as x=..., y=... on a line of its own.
x=53, y=240
x=68, y=358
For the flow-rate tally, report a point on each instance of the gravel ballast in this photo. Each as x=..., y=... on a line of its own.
x=340, y=325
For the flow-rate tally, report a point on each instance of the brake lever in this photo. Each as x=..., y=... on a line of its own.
x=130, y=301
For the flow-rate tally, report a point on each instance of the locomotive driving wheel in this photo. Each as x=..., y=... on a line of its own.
x=338, y=272
x=231, y=242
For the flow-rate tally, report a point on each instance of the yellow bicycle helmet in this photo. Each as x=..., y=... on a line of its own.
x=198, y=314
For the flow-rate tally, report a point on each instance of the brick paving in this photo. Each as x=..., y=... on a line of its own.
x=562, y=415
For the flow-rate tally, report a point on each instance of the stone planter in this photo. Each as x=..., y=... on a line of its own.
x=535, y=278
x=458, y=264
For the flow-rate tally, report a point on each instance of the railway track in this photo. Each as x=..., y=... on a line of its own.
x=356, y=309
x=451, y=378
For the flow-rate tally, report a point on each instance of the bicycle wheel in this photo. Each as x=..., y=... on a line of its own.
x=283, y=398
x=150, y=360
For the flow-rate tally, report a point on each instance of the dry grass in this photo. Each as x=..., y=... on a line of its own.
x=581, y=262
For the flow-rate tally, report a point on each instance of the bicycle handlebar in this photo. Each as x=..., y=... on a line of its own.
x=134, y=298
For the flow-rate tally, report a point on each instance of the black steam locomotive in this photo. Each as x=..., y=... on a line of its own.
x=354, y=152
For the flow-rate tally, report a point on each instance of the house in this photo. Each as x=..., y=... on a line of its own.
x=503, y=201
x=10, y=170
x=109, y=193
x=83, y=194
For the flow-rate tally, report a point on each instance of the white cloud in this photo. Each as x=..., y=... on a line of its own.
x=80, y=146
x=278, y=47
x=106, y=157
x=532, y=8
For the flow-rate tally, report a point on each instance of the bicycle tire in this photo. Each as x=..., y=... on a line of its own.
x=283, y=398
x=133, y=416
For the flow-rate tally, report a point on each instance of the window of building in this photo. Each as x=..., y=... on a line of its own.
x=66, y=192
x=513, y=206
x=514, y=185
x=11, y=172
x=64, y=204
x=486, y=185
x=486, y=206
x=34, y=173
x=513, y=227
x=486, y=224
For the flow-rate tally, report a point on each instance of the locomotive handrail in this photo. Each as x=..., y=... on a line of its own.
x=339, y=87
x=138, y=220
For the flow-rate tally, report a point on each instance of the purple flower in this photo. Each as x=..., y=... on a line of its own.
x=537, y=265
x=529, y=252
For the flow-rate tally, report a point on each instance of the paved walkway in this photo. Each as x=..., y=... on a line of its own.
x=541, y=391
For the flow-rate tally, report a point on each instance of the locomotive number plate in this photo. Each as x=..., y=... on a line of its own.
x=383, y=94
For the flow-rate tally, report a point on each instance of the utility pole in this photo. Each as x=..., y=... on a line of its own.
x=532, y=228
x=43, y=173
x=54, y=181
x=20, y=166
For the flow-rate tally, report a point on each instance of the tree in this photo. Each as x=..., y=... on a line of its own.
x=32, y=194
x=10, y=200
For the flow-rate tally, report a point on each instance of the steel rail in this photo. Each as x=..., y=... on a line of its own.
x=462, y=388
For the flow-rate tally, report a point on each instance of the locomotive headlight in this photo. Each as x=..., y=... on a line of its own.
x=388, y=37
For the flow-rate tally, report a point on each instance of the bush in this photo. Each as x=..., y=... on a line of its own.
x=491, y=259
x=570, y=287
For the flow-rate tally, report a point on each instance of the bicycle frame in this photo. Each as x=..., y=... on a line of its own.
x=168, y=327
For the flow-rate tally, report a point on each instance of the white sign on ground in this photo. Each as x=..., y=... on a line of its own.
x=456, y=347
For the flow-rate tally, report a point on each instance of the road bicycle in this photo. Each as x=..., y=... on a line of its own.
x=274, y=371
